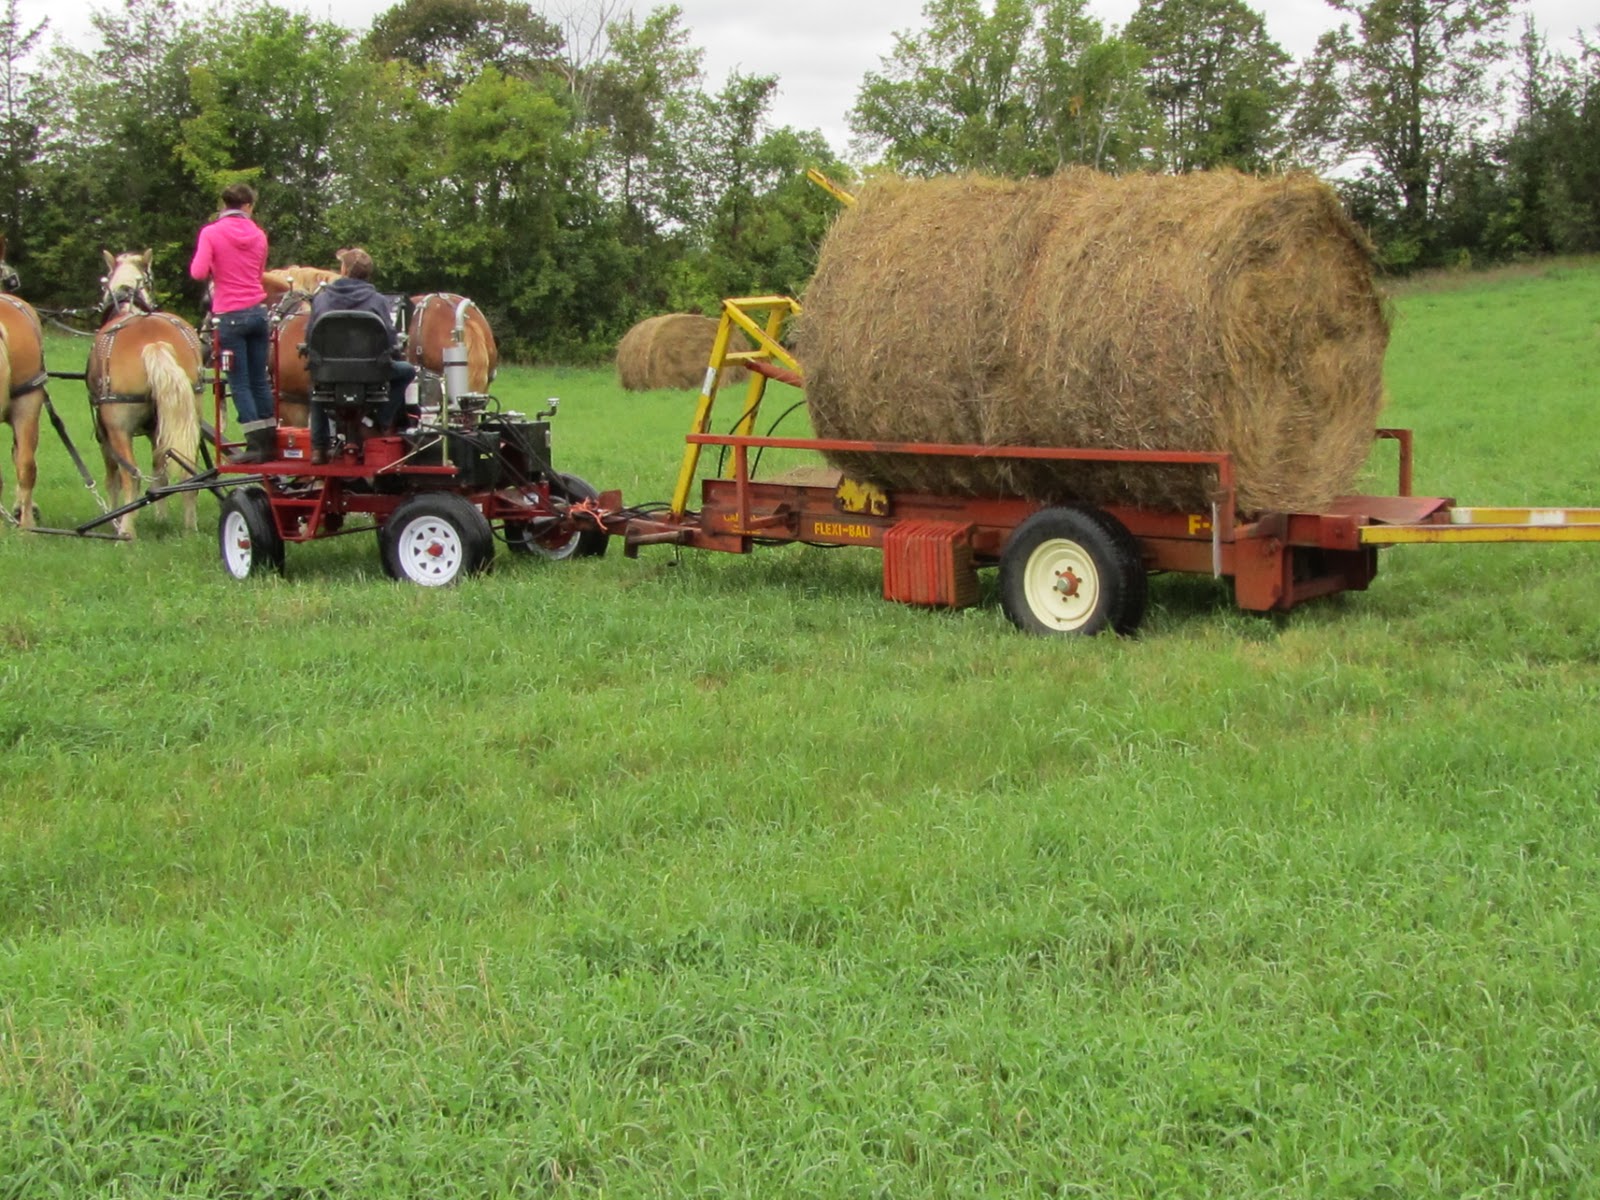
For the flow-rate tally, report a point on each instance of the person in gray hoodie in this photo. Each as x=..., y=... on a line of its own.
x=353, y=290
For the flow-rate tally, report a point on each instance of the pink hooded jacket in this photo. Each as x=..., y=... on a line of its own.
x=232, y=253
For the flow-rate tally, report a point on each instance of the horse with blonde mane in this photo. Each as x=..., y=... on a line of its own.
x=144, y=379
x=22, y=382
x=431, y=328
x=433, y=324
x=291, y=375
x=283, y=280
x=289, y=291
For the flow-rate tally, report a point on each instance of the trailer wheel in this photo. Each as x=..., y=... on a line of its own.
x=433, y=540
x=1136, y=594
x=247, y=536
x=1072, y=571
x=585, y=543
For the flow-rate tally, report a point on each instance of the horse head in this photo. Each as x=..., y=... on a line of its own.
x=302, y=281
x=10, y=281
x=126, y=284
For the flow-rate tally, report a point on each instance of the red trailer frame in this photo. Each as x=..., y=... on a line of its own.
x=933, y=544
x=1065, y=568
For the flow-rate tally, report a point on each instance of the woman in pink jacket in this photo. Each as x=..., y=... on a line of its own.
x=232, y=254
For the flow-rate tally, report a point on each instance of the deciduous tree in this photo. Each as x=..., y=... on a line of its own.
x=19, y=121
x=1408, y=86
x=453, y=40
x=1220, y=84
x=1019, y=89
x=268, y=88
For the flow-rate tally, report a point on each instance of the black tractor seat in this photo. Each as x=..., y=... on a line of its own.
x=347, y=352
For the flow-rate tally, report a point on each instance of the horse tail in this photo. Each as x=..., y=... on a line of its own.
x=478, y=358
x=5, y=372
x=177, y=422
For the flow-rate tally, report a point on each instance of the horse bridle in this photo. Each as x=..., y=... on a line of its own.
x=119, y=299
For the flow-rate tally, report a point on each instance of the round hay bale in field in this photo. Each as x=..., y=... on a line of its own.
x=672, y=351
x=1212, y=311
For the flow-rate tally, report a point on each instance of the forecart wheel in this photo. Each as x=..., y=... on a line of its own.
x=560, y=545
x=247, y=536
x=383, y=553
x=434, y=540
x=1072, y=570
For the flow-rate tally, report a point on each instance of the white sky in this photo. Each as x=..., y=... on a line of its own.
x=821, y=49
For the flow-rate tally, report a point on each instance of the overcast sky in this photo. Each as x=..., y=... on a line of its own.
x=820, y=49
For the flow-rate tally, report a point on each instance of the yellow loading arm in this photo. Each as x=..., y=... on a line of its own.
x=1483, y=525
x=829, y=186
x=761, y=318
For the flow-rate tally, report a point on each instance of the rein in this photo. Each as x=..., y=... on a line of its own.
x=123, y=300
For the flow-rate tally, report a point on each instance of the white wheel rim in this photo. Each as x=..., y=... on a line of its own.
x=556, y=550
x=238, y=552
x=1062, y=584
x=430, y=551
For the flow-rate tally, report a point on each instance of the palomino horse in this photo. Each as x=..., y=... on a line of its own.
x=295, y=279
x=289, y=291
x=291, y=376
x=433, y=324
x=143, y=374
x=22, y=381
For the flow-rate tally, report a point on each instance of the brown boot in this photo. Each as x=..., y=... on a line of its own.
x=261, y=445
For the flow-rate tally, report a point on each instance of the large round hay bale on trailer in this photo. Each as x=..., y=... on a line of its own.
x=672, y=351
x=1212, y=311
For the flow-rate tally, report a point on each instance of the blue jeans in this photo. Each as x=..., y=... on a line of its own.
x=389, y=416
x=243, y=335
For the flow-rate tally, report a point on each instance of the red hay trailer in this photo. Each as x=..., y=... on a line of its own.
x=1064, y=569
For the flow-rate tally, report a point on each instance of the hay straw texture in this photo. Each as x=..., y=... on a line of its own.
x=1201, y=312
x=672, y=351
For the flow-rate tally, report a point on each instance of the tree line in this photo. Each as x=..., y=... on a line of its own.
x=576, y=176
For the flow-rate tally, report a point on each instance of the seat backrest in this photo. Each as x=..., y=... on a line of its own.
x=347, y=346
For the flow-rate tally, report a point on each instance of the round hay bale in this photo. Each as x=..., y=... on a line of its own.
x=1212, y=311
x=672, y=351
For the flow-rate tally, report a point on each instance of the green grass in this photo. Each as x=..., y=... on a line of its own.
x=725, y=877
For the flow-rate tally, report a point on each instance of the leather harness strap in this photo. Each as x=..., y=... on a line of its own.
x=26, y=309
x=43, y=377
x=106, y=339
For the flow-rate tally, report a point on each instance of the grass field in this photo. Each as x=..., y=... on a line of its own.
x=725, y=877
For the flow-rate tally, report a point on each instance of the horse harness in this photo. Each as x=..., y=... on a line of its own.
x=43, y=377
x=105, y=341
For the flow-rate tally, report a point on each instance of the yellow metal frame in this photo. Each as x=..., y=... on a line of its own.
x=762, y=319
x=1485, y=525
x=829, y=186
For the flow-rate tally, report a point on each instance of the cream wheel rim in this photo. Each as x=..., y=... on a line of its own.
x=1062, y=584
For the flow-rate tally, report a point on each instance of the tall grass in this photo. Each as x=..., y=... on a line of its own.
x=721, y=876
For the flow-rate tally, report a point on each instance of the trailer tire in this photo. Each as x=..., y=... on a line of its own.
x=1136, y=593
x=587, y=543
x=435, y=539
x=247, y=537
x=1072, y=570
